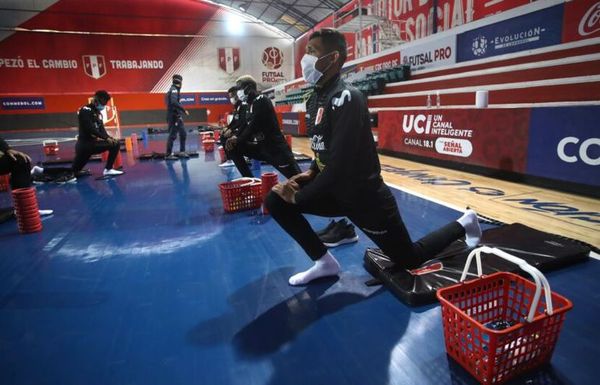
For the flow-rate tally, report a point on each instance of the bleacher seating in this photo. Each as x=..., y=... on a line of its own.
x=569, y=73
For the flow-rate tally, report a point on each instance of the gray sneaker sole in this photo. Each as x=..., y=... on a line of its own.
x=342, y=242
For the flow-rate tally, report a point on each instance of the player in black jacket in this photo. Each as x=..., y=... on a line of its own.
x=93, y=138
x=17, y=163
x=175, y=112
x=345, y=176
x=261, y=137
x=238, y=119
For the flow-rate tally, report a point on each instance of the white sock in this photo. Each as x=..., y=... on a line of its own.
x=472, y=230
x=36, y=170
x=325, y=266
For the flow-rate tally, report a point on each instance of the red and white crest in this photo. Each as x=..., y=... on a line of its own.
x=229, y=59
x=94, y=66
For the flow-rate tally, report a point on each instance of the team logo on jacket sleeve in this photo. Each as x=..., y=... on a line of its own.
x=338, y=102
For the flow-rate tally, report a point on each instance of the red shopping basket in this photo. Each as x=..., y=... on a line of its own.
x=499, y=326
x=241, y=194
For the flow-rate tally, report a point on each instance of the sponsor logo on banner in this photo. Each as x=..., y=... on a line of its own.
x=479, y=46
x=229, y=59
x=440, y=129
x=22, y=103
x=272, y=58
x=581, y=20
x=214, y=98
x=187, y=99
x=454, y=147
x=582, y=149
x=590, y=22
x=291, y=122
x=94, y=66
x=535, y=30
x=476, y=137
x=429, y=55
x=564, y=144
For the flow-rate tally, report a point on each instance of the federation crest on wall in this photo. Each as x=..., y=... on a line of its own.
x=229, y=59
x=94, y=66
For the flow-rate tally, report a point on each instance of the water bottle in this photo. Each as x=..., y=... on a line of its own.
x=428, y=100
x=437, y=102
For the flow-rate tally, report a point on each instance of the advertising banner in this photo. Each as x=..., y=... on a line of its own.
x=187, y=99
x=493, y=138
x=293, y=123
x=535, y=30
x=138, y=54
x=214, y=98
x=22, y=103
x=582, y=20
x=564, y=144
x=436, y=53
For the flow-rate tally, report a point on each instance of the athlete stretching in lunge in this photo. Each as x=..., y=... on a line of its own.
x=345, y=177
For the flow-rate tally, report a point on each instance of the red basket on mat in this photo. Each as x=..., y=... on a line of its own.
x=499, y=326
x=50, y=147
x=241, y=194
x=208, y=145
x=4, y=182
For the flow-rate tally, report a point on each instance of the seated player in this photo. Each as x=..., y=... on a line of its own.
x=260, y=138
x=345, y=177
x=18, y=165
x=93, y=138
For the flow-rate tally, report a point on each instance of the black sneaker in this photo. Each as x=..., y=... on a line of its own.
x=327, y=229
x=341, y=233
x=171, y=157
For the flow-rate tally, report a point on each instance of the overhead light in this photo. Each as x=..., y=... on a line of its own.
x=243, y=7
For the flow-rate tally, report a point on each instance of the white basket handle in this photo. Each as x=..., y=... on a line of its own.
x=251, y=181
x=538, y=277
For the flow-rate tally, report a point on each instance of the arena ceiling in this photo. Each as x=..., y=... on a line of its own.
x=293, y=17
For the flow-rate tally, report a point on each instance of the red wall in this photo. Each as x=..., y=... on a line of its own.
x=27, y=55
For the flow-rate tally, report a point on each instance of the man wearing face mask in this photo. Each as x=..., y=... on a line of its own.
x=174, y=119
x=238, y=117
x=345, y=177
x=93, y=138
x=260, y=138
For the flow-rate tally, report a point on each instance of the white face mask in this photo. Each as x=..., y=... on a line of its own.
x=233, y=101
x=242, y=95
x=309, y=70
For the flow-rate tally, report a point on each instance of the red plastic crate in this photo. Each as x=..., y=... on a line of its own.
x=496, y=356
x=208, y=145
x=4, y=182
x=241, y=194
